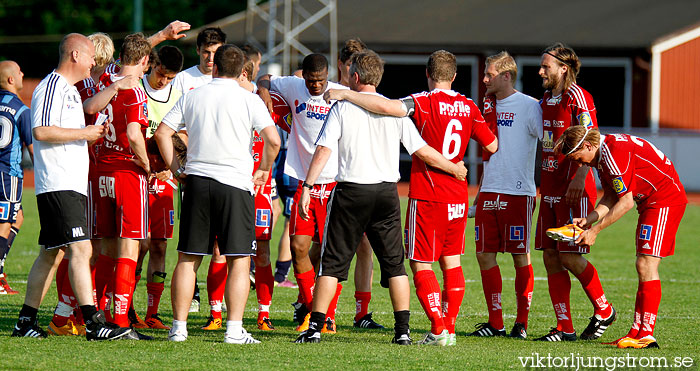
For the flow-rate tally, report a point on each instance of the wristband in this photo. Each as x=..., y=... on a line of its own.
x=307, y=185
x=179, y=171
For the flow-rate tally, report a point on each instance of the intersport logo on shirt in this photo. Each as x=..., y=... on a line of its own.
x=314, y=111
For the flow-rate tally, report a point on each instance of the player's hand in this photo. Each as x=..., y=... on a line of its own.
x=265, y=96
x=460, y=171
x=145, y=165
x=94, y=132
x=471, y=212
x=575, y=190
x=304, y=201
x=128, y=82
x=587, y=238
x=172, y=31
x=259, y=180
x=581, y=222
x=333, y=94
x=164, y=175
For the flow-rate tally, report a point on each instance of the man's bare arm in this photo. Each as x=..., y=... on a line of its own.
x=170, y=32
x=99, y=101
x=138, y=145
x=433, y=158
x=163, y=136
x=370, y=102
x=55, y=134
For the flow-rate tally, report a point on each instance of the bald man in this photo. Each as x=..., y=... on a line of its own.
x=61, y=170
x=16, y=134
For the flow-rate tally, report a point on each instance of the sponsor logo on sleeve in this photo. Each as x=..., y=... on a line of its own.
x=584, y=119
x=645, y=232
x=517, y=233
x=619, y=185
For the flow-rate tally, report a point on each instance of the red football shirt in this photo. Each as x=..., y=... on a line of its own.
x=258, y=144
x=125, y=107
x=573, y=107
x=446, y=120
x=629, y=164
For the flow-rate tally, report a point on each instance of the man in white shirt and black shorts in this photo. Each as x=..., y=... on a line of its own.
x=365, y=199
x=218, y=206
x=61, y=178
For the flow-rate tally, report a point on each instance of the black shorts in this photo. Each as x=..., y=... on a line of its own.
x=355, y=209
x=213, y=211
x=63, y=218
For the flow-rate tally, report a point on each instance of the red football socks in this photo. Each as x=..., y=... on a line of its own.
x=637, y=321
x=306, y=283
x=264, y=286
x=216, y=286
x=493, y=286
x=66, y=298
x=559, y=291
x=334, y=303
x=428, y=292
x=651, y=298
x=123, y=290
x=362, y=300
x=104, y=276
x=524, y=285
x=594, y=290
x=452, y=296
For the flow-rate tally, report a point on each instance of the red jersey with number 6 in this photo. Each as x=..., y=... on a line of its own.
x=127, y=106
x=573, y=107
x=446, y=120
x=630, y=164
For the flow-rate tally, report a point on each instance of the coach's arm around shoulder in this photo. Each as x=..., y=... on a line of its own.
x=99, y=101
x=370, y=102
x=55, y=134
x=270, y=149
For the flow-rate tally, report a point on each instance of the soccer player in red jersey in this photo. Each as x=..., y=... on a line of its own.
x=632, y=170
x=568, y=191
x=436, y=218
x=506, y=198
x=162, y=96
x=264, y=279
x=123, y=168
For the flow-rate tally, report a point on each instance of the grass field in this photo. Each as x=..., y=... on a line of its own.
x=613, y=255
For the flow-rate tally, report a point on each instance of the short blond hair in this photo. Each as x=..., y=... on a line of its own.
x=104, y=49
x=504, y=62
x=369, y=67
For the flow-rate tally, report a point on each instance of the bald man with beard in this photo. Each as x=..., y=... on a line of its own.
x=61, y=170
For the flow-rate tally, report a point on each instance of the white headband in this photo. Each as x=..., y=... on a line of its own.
x=578, y=144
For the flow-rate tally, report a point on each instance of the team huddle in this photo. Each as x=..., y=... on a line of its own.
x=115, y=142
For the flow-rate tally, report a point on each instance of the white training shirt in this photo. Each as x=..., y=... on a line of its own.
x=367, y=144
x=220, y=118
x=59, y=166
x=190, y=79
x=308, y=114
x=511, y=170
